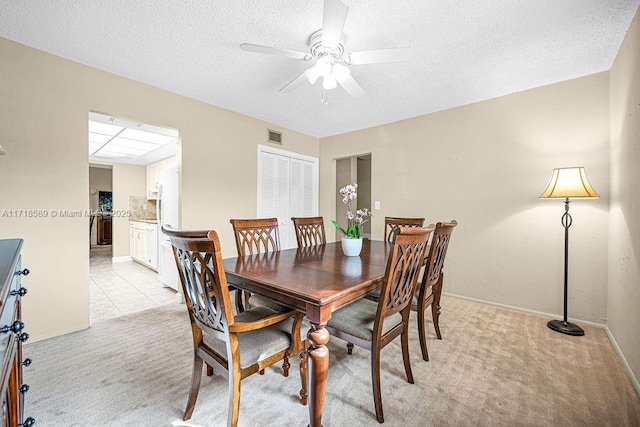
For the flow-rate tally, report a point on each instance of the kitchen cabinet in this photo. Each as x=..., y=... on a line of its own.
x=153, y=178
x=154, y=172
x=143, y=243
x=138, y=241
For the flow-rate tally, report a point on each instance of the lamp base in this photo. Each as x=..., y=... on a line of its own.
x=565, y=327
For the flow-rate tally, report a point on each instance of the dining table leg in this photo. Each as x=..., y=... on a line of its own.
x=318, y=369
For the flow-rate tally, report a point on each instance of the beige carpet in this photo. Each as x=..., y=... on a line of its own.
x=494, y=367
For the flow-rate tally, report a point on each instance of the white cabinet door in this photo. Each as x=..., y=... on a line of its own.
x=144, y=257
x=132, y=241
x=287, y=187
x=152, y=181
x=137, y=246
x=138, y=243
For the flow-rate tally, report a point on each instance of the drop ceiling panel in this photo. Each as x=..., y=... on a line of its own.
x=131, y=142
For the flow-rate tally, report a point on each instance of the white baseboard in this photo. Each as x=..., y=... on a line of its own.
x=525, y=310
x=121, y=258
x=627, y=368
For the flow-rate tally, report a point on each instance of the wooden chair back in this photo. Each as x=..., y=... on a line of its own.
x=204, y=282
x=437, y=253
x=403, y=268
x=392, y=223
x=309, y=231
x=256, y=236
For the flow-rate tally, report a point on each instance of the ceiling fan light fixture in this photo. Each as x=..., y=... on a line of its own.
x=323, y=65
x=312, y=75
x=327, y=50
x=341, y=72
x=329, y=82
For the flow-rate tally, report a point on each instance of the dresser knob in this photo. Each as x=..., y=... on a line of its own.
x=23, y=388
x=22, y=292
x=24, y=272
x=26, y=362
x=23, y=337
x=28, y=422
x=16, y=327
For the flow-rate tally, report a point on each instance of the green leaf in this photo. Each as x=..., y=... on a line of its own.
x=339, y=227
x=353, y=230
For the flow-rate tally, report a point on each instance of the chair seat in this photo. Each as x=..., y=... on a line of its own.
x=429, y=293
x=375, y=295
x=415, y=296
x=259, y=344
x=357, y=319
x=257, y=300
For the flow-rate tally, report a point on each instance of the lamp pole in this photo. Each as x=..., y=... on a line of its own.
x=565, y=326
x=566, y=223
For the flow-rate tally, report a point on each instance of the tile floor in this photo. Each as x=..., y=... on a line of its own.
x=122, y=288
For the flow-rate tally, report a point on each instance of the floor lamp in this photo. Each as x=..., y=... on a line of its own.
x=567, y=183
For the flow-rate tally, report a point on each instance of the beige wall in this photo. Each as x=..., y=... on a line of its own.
x=623, y=313
x=344, y=175
x=43, y=127
x=100, y=179
x=125, y=181
x=485, y=165
x=128, y=180
x=219, y=172
x=364, y=188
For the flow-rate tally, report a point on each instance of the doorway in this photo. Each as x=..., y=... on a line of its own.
x=100, y=204
x=355, y=169
x=128, y=161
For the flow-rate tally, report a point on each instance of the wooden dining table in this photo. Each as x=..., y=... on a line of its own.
x=317, y=280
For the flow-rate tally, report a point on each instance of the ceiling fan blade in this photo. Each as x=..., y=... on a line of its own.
x=378, y=56
x=333, y=19
x=351, y=86
x=294, y=84
x=275, y=51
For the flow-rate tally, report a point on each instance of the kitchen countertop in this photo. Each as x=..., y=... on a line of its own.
x=148, y=221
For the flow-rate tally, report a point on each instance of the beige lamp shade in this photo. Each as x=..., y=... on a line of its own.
x=569, y=182
x=2, y=150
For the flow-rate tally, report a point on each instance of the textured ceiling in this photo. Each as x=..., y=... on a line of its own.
x=464, y=51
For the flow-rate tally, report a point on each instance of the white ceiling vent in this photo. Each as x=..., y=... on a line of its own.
x=275, y=137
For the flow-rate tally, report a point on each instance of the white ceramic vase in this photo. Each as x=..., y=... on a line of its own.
x=351, y=246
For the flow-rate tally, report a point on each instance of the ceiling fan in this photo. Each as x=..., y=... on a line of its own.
x=328, y=51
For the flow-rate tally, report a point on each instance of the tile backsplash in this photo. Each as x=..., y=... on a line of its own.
x=141, y=208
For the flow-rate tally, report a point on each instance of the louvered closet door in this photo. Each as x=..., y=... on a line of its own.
x=287, y=187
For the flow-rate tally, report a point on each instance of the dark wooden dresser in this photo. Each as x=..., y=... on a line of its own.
x=105, y=229
x=12, y=335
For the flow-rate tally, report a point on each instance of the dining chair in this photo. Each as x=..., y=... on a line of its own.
x=309, y=231
x=253, y=237
x=429, y=289
x=238, y=345
x=392, y=223
x=372, y=325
